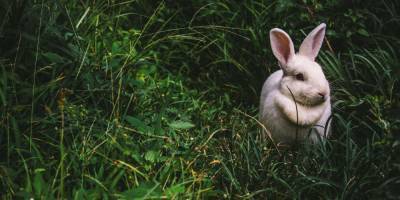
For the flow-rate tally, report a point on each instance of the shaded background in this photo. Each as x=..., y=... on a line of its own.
x=114, y=99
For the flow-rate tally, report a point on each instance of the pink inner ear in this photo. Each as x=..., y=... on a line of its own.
x=317, y=40
x=313, y=42
x=283, y=46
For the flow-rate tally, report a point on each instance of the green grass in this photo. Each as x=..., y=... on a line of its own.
x=159, y=100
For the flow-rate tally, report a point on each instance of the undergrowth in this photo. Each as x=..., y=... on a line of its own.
x=159, y=100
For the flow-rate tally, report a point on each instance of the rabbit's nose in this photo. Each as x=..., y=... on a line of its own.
x=322, y=95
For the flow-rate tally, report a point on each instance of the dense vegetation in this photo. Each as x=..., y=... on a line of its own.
x=159, y=99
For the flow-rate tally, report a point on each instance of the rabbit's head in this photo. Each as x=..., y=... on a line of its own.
x=302, y=76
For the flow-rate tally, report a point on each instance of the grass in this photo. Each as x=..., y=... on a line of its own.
x=159, y=100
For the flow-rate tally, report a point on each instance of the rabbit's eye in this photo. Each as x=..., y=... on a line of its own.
x=300, y=77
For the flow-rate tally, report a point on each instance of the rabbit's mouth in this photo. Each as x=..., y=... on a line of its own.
x=306, y=96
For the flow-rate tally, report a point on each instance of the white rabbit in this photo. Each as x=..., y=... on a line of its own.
x=302, y=79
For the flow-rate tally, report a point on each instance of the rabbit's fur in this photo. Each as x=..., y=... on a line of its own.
x=302, y=79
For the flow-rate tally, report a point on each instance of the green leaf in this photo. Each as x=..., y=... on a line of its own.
x=363, y=32
x=175, y=190
x=181, y=125
x=53, y=57
x=151, y=156
x=38, y=182
x=79, y=194
x=137, y=123
x=144, y=191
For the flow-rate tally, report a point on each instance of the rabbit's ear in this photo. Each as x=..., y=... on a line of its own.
x=282, y=45
x=313, y=42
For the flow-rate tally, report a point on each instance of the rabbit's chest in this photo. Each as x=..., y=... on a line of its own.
x=283, y=130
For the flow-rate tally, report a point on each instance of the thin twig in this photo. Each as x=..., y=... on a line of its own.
x=209, y=138
x=329, y=45
x=144, y=134
x=297, y=113
x=327, y=123
x=263, y=127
